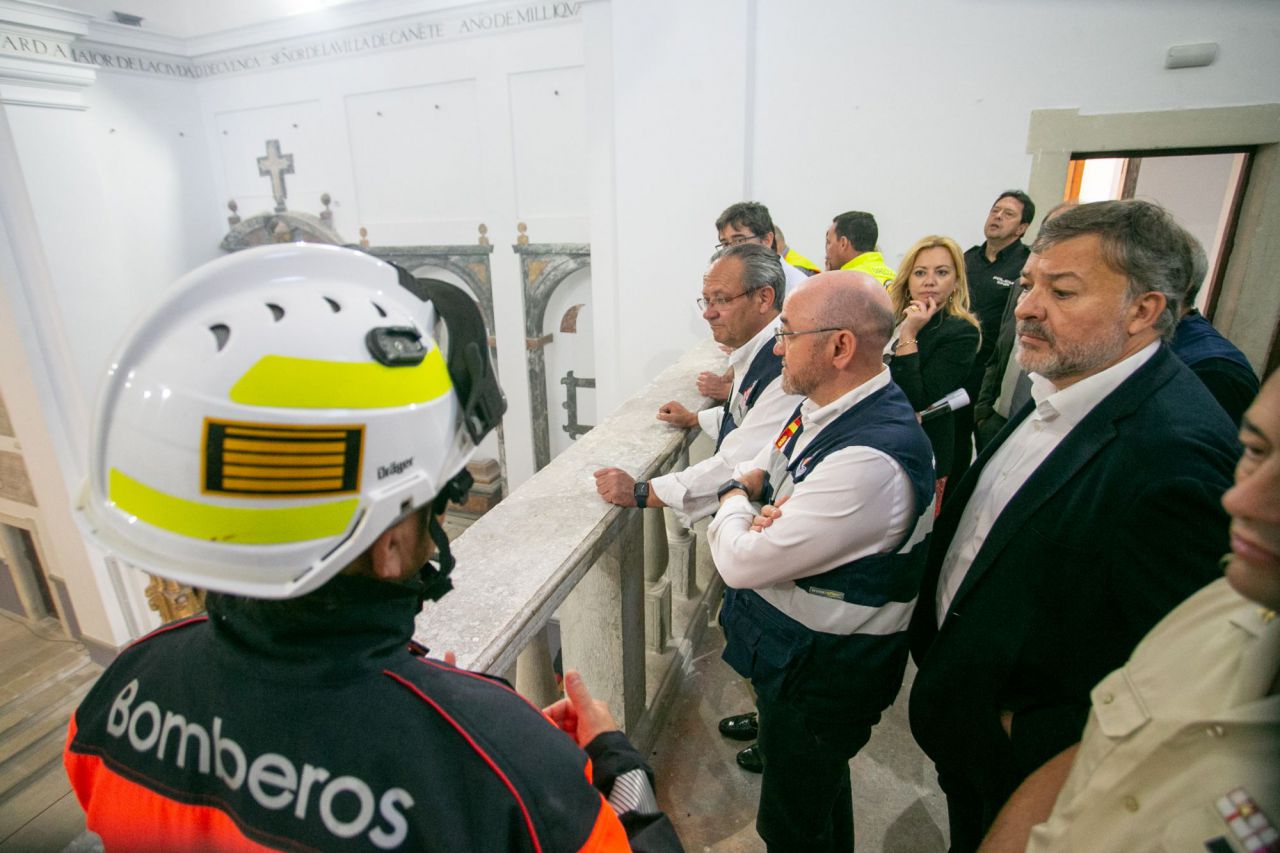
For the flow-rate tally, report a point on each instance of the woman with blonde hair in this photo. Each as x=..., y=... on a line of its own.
x=937, y=336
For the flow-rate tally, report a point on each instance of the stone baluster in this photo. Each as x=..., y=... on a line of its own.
x=535, y=677
x=602, y=622
x=681, y=547
x=657, y=588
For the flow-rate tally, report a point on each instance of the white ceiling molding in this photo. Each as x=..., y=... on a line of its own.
x=43, y=18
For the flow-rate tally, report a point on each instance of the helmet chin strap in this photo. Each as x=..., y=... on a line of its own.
x=435, y=576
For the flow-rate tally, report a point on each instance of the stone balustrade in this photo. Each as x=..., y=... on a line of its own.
x=623, y=584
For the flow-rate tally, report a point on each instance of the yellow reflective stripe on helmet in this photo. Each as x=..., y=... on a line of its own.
x=234, y=525
x=302, y=383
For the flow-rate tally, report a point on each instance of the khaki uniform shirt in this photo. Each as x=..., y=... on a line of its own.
x=1182, y=747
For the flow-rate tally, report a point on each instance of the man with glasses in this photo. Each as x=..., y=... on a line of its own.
x=747, y=222
x=821, y=593
x=750, y=222
x=741, y=295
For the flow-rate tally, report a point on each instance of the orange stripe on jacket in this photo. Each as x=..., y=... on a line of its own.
x=607, y=835
x=130, y=817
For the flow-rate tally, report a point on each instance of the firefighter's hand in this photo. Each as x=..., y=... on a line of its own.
x=578, y=715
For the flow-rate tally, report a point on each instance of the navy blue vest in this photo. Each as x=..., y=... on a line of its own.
x=784, y=658
x=1196, y=340
x=884, y=421
x=764, y=368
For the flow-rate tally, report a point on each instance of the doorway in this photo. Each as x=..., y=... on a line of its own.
x=1202, y=188
x=1245, y=299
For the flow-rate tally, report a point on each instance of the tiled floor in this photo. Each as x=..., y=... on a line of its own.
x=897, y=805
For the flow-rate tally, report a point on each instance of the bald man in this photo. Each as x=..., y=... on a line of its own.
x=820, y=593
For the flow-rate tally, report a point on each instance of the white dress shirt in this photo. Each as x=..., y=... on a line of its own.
x=691, y=493
x=1056, y=414
x=858, y=502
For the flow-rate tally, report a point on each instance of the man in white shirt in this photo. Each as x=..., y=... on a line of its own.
x=747, y=222
x=742, y=293
x=1092, y=518
x=819, y=600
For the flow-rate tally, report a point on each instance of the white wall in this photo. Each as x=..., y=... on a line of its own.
x=679, y=120
x=916, y=110
x=420, y=146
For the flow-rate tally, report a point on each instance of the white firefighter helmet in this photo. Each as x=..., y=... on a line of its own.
x=280, y=409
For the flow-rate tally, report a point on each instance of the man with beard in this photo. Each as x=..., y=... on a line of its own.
x=820, y=596
x=1088, y=521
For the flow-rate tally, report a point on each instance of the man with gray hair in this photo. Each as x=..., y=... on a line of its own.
x=1087, y=519
x=820, y=594
x=742, y=293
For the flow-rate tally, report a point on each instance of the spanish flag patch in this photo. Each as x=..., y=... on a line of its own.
x=787, y=431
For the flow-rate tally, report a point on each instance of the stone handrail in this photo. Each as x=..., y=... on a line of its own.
x=553, y=535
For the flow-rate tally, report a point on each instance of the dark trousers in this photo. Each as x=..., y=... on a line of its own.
x=806, y=800
x=964, y=812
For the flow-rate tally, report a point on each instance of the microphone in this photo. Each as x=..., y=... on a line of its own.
x=957, y=399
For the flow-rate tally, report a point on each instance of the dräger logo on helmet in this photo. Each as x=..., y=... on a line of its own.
x=274, y=781
x=385, y=471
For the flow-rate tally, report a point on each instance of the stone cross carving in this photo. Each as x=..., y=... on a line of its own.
x=276, y=165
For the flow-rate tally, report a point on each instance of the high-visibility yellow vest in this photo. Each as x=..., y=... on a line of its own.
x=800, y=261
x=873, y=264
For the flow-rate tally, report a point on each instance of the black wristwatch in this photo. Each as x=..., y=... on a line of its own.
x=642, y=493
x=732, y=485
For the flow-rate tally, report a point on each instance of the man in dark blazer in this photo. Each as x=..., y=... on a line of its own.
x=1089, y=517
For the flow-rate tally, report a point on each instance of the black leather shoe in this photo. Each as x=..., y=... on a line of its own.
x=749, y=759
x=740, y=727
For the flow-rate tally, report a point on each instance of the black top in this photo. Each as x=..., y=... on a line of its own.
x=1116, y=527
x=310, y=725
x=1217, y=363
x=989, y=285
x=946, y=348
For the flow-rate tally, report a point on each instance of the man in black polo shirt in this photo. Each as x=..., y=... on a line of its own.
x=992, y=268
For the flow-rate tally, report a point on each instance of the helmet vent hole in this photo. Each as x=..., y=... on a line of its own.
x=276, y=311
x=221, y=333
x=378, y=308
x=333, y=303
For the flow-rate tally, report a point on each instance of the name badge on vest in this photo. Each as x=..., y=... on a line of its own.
x=803, y=466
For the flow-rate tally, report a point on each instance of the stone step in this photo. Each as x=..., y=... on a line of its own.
x=42, y=711
x=59, y=664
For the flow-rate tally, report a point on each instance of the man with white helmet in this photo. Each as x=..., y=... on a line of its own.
x=284, y=431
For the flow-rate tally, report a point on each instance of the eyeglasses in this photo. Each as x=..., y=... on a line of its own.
x=780, y=338
x=737, y=241
x=719, y=301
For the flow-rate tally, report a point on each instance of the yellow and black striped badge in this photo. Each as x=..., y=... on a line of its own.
x=274, y=460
